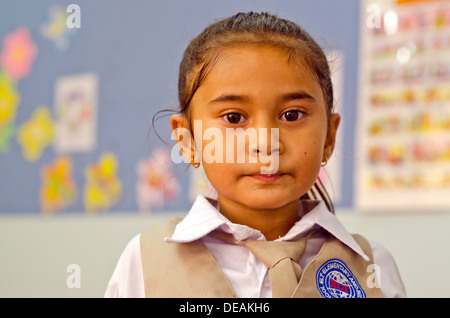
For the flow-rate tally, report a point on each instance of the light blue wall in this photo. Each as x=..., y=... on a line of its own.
x=135, y=47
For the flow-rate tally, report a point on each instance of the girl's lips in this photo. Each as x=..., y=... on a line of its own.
x=267, y=177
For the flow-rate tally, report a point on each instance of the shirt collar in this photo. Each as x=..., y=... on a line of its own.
x=204, y=218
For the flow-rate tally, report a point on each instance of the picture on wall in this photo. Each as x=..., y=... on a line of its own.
x=76, y=113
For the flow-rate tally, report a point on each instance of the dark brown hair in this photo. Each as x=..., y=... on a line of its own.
x=253, y=29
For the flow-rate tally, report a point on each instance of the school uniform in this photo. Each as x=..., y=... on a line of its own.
x=333, y=260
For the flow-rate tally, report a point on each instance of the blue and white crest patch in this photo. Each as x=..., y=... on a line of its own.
x=335, y=280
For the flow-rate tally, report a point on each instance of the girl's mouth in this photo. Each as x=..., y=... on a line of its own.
x=267, y=177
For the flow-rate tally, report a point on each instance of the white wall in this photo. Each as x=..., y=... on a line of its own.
x=35, y=251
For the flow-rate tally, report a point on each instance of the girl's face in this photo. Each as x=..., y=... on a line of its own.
x=256, y=87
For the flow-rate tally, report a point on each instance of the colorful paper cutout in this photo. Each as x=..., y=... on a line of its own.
x=156, y=183
x=9, y=101
x=36, y=134
x=103, y=188
x=58, y=188
x=18, y=53
x=56, y=30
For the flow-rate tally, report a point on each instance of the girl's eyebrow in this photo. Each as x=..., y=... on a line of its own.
x=230, y=98
x=300, y=95
x=297, y=95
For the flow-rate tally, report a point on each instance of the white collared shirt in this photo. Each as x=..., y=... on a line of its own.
x=247, y=275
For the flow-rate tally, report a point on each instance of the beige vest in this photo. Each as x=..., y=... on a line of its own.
x=188, y=270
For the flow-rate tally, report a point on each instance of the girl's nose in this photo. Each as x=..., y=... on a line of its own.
x=268, y=141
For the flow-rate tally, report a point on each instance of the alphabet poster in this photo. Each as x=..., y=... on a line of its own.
x=403, y=115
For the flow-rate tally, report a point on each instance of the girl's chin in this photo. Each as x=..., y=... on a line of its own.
x=265, y=202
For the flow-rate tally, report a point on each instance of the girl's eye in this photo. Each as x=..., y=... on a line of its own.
x=234, y=118
x=292, y=115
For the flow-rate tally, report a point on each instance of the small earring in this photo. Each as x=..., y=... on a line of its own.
x=195, y=165
x=323, y=164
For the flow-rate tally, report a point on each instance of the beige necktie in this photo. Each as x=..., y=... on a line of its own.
x=281, y=257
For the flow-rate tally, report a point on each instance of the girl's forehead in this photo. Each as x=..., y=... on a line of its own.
x=245, y=52
x=242, y=66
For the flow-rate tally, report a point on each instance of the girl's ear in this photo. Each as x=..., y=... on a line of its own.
x=182, y=134
x=331, y=138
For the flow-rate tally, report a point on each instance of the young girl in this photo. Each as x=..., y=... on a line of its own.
x=250, y=72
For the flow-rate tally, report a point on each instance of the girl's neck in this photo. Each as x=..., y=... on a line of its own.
x=272, y=223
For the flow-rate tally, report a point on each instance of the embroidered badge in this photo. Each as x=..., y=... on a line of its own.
x=335, y=280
